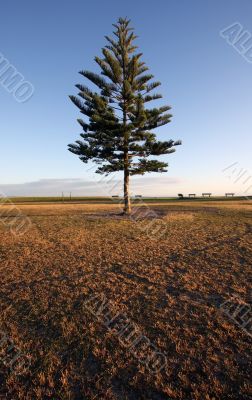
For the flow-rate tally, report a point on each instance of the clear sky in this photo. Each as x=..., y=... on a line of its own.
x=207, y=82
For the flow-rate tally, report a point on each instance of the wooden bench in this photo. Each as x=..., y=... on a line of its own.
x=207, y=194
x=192, y=194
x=229, y=194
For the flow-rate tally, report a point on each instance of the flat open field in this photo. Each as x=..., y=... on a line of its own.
x=168, y=270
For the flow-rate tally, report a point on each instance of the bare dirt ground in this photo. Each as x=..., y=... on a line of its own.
x=171, y=284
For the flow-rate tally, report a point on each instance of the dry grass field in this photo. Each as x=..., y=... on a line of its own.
x=171, y=286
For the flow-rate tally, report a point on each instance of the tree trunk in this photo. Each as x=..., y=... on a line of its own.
x=127, y=205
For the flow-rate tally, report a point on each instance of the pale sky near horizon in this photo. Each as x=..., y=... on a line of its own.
x=206, y=80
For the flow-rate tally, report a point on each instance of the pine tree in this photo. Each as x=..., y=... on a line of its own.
x=118, y=133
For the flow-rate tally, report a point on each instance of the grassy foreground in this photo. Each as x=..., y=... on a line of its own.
x=170, y=285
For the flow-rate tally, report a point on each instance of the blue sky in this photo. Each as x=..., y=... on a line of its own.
x=205, y=80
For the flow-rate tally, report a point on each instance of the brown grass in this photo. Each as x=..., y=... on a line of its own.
x=171, y=287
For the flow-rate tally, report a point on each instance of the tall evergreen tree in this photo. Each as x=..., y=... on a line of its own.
x=117, y=135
